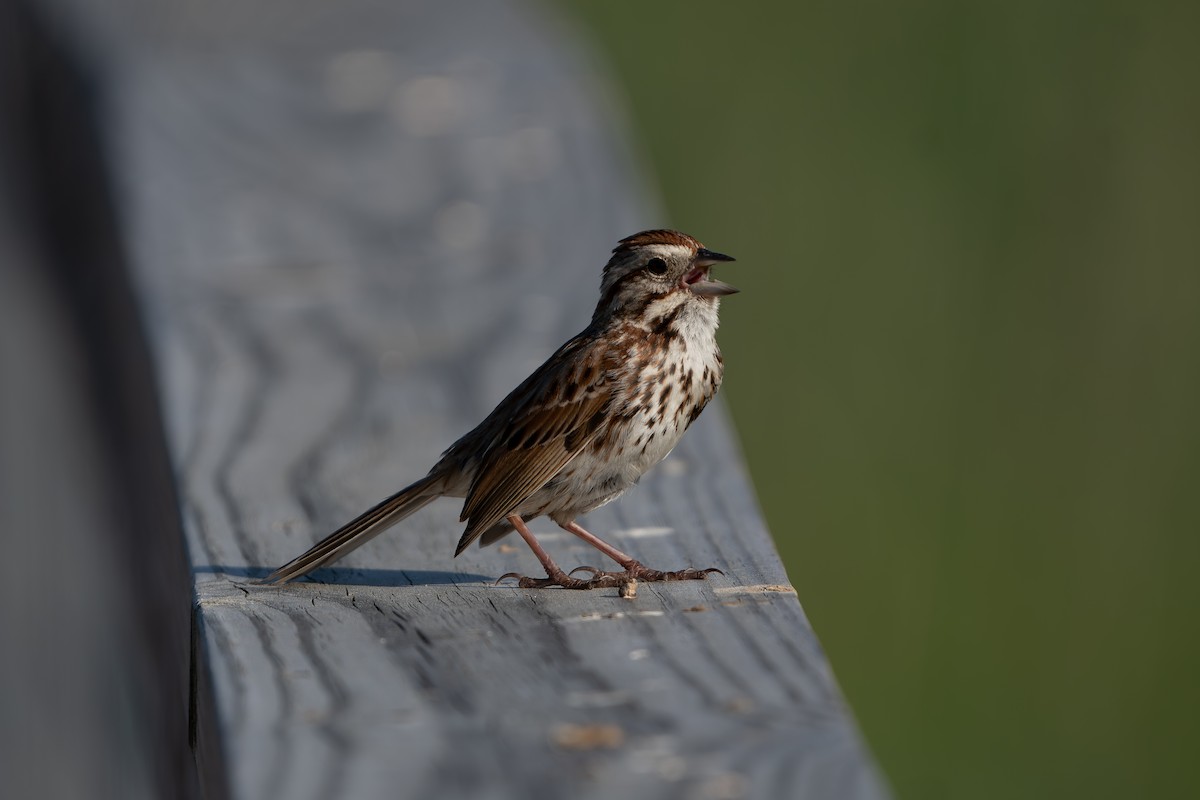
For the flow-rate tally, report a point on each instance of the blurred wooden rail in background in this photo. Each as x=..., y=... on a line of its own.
x=351, y=228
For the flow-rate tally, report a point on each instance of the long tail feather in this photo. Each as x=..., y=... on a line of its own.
x=360, y=530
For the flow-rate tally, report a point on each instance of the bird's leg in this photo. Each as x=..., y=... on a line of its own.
x=631, y=566
x=554, y=574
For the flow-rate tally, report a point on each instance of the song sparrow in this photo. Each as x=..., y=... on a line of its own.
x=608, y=405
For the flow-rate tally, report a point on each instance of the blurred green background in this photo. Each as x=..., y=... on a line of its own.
x=966, y=363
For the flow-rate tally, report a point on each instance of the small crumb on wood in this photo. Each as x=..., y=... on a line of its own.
x=506, y=548
x=628, y=589
x=588, y=737
x=694, y=609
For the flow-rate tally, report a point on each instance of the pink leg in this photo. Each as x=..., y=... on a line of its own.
x=554, y=574
x=595, y=541
x=633, y=568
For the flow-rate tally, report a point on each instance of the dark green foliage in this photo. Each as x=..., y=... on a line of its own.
x=966, y=361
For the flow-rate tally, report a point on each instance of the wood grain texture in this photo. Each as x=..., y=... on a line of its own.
x=355, y=228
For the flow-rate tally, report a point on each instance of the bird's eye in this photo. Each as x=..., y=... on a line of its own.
x=656, y=266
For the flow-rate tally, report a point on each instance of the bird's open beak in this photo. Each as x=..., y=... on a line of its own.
x=697, y=280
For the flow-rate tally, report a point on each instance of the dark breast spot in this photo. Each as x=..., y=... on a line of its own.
x=661, y=326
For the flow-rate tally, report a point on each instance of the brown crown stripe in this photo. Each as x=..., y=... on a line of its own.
x=657, y=237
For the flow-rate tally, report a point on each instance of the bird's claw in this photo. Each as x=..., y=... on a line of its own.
x=559, y=578
x=699, y=574
x=607, y=580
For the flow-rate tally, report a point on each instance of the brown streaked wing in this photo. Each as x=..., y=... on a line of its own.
x=540, y=443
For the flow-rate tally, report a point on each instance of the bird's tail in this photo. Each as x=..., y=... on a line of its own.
x=361, y=529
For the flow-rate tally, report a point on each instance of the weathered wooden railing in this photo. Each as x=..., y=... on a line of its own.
x=351, y=228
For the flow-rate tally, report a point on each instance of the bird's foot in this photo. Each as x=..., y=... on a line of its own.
x=553, y=578
x=640, y=572
x=607, y=580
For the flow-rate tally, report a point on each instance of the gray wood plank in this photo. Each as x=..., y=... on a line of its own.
x=71, y=649
x=94, y=584
x=355, y=227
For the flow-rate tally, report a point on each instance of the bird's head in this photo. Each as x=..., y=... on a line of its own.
x=659, y=268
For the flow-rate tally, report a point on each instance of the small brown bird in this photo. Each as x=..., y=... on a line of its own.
x=586, y=425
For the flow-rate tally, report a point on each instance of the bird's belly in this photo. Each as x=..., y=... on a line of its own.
x=586, y=483
x=600, y=474
x=658, y=407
